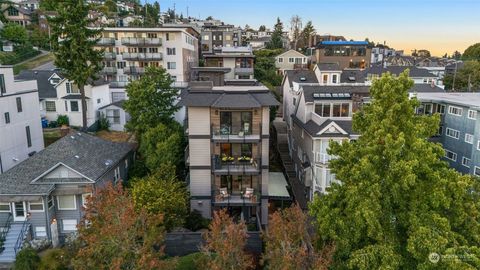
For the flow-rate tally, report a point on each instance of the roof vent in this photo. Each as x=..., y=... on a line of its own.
x=77, y=156
x=79, y=134
x=108, y=162
x=351, y=78
x=72, y=137
x=303, y=79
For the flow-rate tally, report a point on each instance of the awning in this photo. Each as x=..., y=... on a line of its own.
x=277, y=186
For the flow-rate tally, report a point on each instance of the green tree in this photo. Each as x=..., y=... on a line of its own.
x=152, y=16
x=39, y=38
x=466, y=79
x=472, y=52
x=49, y=5
x=456, y=55
x=162, y=193
x=73, y=46
x=27, y=259
x=307, y=34
x=110, y=5
x=150, y=100
x=398, y=201
x=262, y=28
x=276, y=41
x=265, y=70
x=15, y=33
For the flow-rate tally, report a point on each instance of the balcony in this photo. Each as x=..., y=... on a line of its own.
x=118, y=84
x=236, y=165
x=232, y=133
x=300, y=66
x=106, y=42
x=131, y=41
x=323, y=158
x=109, y=70
x=244, y=71
x=134, y=70
x=109, y=56
x=142, y=56
x=224, y=197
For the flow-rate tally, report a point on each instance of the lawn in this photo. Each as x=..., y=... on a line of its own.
x=34, y=63
x=50, y=136
x=114, y=136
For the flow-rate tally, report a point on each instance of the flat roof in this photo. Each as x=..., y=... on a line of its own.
x=344, y=42
x=471, y=100
x=277, y=185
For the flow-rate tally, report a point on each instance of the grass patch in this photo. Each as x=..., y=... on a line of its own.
x=114, y=136
x=190, y=262
x=34, y=63
x=51, y=136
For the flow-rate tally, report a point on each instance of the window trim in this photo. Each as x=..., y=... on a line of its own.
x=455, y=155
x=475, y=170
x=44, y=231
x=474, y=114
x=458, y=133
x=74, y=202
x=471, y=136
x=9, y=207
x=450, y=108
x=50, y=102
x=463, y=163
x=63, y=225
x=42, y=203
x=478, y=145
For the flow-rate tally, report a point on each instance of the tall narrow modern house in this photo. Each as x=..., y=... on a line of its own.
x=227, y=156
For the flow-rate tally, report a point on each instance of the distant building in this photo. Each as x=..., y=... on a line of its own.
x=347, y=54
x=20, y=127
x=16, y=14
x=262, y=42
x=214, y=36
x=240, y=61
x=291, y=59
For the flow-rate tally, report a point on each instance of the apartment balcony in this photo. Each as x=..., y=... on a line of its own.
x=134, y=70
x=118, y=84
x=300, y=66
x=109, y=56
x=244, y=71
x=142, y=56
x=232, y=133
x=224, y=197
x=106, y=42
x=109, y=70
x=236, y=165
x=323, y=158
x=140, y=42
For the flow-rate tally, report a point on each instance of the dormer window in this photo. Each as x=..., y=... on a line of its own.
x=54, y=80
x=334, y=78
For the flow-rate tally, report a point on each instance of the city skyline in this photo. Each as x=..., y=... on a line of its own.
x=440, y=26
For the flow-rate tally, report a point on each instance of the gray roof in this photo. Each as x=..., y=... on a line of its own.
x=328, y=66
x=396, y=70
x=352, y=76
x=313, y=128
x=228, y=99
x=116, y=103
x=92, y=152
x=297, y=75
x=74, y=96
x=45, y=88
x=471, y=100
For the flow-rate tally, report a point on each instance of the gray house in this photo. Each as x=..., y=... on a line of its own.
x=44, y=195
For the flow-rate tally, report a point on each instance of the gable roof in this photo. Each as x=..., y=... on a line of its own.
x=292, y=51
x=329, y=66
x=228, y=99
x=86, y=154
x=45, y=88
x=297, y=75
x=396, y=70
x=314, y=129
x=118, y=104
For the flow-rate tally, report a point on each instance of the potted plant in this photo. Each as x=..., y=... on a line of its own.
x=244, y=159
x=226, y=158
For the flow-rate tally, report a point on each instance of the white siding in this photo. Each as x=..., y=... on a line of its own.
x=198, y=121
x=265, y=145
x=199, y=152
x=200, y=183
x=62, y=172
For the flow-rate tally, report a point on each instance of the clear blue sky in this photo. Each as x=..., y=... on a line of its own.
x=441, y=26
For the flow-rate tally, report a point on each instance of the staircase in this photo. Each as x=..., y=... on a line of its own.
x=8, y=254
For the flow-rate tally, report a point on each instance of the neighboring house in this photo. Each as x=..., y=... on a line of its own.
x=459, y=131
x=214, y=36
x=291, y=59
x=116, y=115
x=30, y=4
x=240, y=60
x=228, y=149
x=49, y=190
x=347, y=54
x=59, y=96
x=418, y=75
x=20, y=127
x=18, y=15
x=261, y=42
x=380, y=53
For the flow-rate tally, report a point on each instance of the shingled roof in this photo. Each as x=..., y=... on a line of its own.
x=45, y=88
x=300, y=76
x=88, y=155
x=396, y=70
x=228, y=99
x=312, y=128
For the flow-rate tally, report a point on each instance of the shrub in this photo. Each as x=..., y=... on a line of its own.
x=27, y=259
x=191, y=261
x=54, y=259
x=62, y=120
x=195, y=221
x=52, y=124
x=103, y=123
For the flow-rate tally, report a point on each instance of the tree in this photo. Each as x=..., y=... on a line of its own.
x=49, y=5
x=152, y=14
x=161, y=193
x=307, y=34
x=398, y=201
x=39, y=38
x=209, y=18
x=262, y=28
x=27, y=259
x=265, y=70
x=295, y=29
x=110, y=5
x=466, y=79
x=472, y=52
x=73, y=46
x=150, y=100
x=289, y=243
x=456, y=55
x=276, y=41
x=115, y=235
x=14, y=33
x=225, y=243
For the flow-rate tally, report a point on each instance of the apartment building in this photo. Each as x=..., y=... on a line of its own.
x=128, y=51
x=347, y=54
x=459, y=131
x=228, y=149
x=20, y=127
x=240, y=61
x=214, y=36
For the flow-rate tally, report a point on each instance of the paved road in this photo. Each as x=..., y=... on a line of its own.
x=46, y=66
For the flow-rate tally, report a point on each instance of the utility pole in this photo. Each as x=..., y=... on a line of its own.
x=187, y=11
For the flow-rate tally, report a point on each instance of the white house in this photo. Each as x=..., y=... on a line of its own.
x=291, y=59
x=116, y=115
x=20, y=126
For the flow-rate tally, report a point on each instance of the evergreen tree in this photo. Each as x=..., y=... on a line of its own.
x=73, y=46
x=472, y=52
x=276, y=41
x=398, y=204
x=307, y=34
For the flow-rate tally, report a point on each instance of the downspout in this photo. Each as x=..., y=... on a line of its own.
x=47, y=217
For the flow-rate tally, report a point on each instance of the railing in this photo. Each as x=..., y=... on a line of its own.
x=236, y=165
x=134, y=70
x=231, y=133
x=118, y=84
x=21, y=236
x=5, y=229
x=109, y=56
x=109, y=70
x=142, y=56
x=244, y=71
x=300, y=66
x=237, y=198
x=322, y=157
x=106, y=42
x=131, y=41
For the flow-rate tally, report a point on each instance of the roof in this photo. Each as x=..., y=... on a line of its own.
x=396, y=70
x=116, y=103
x=22, y=10
x=45, y=88
x=74, y=96
x=312, y=128
x=277, y=186
x=341, y=43
x=471, y=100
x=228, y=98
x=291, y=51
x=93, y=153
x=352, y=76
x=301, y=76
x=329, y=66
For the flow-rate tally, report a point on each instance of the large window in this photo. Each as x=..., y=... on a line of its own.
x=333, y=109
x=171, y=51
x=451, y=155
x=476, y=171
x=472, y=114
x=455, y=110
x=36, y=206
x=74, y=106
x=3, y=89
x=69, y=224
x=66, y=202
x=469, y=138
x=50, y=106
x=235, y=122
x=7, y=118
x=113, y=116
x=466, y=162
x=453, y=133
x=236, y=184
x=323, y=109
x=171, y=65
x=236, y=150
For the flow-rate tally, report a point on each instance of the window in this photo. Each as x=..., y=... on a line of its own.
x=85, y=197
x=167, y=36
x=453, y=133
x=472, y=114
x=450, y=155
x=4, y=207
x=441, y=109
x=40, y=231
x=69, y=224
x=12, y=11
x=66, y=107
x=206, y=37
x=171, y=65
x=440, y=131
x=66, y=202
x=7, y=118
x=69, y=87
x=466, y=162
x=280, y=59
x=50, y=106
x=116, y=175
x=228, y=37
x=334, y=78
x=19, y=104
x=121, y=64
x=476, y=171
x=478, y=145
x=455, y=110
x=36, y=206
x=291, y=60
x=294, y=101
x=113, y=116
x=469, y=138
x=29, y=136
x=325, y=78
x=55, y=80
x=323, y=109
x=50, y=201
x=74, y=106
x=3, y=89
x=171, y=51
x=99, y=100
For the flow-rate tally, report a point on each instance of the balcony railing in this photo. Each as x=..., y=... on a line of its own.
x=106, y=42
x=244, y=71
x=118, y=84
x=131, y=41
x=235, y=165
x=322, y=158
x=109, y=56
x=227, y=197
x=300, y=66
x=109, y=70
x=134, y=70
x=232, y=133
x=142, y=56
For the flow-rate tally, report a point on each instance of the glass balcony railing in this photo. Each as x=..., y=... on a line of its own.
x=132, y=41
x=227, y=132
x=224, y=196
x=142, y=56
x=134, y=70
x=106, y=42
x=227, y=165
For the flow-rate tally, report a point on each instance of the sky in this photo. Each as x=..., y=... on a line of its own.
x=441, y=26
